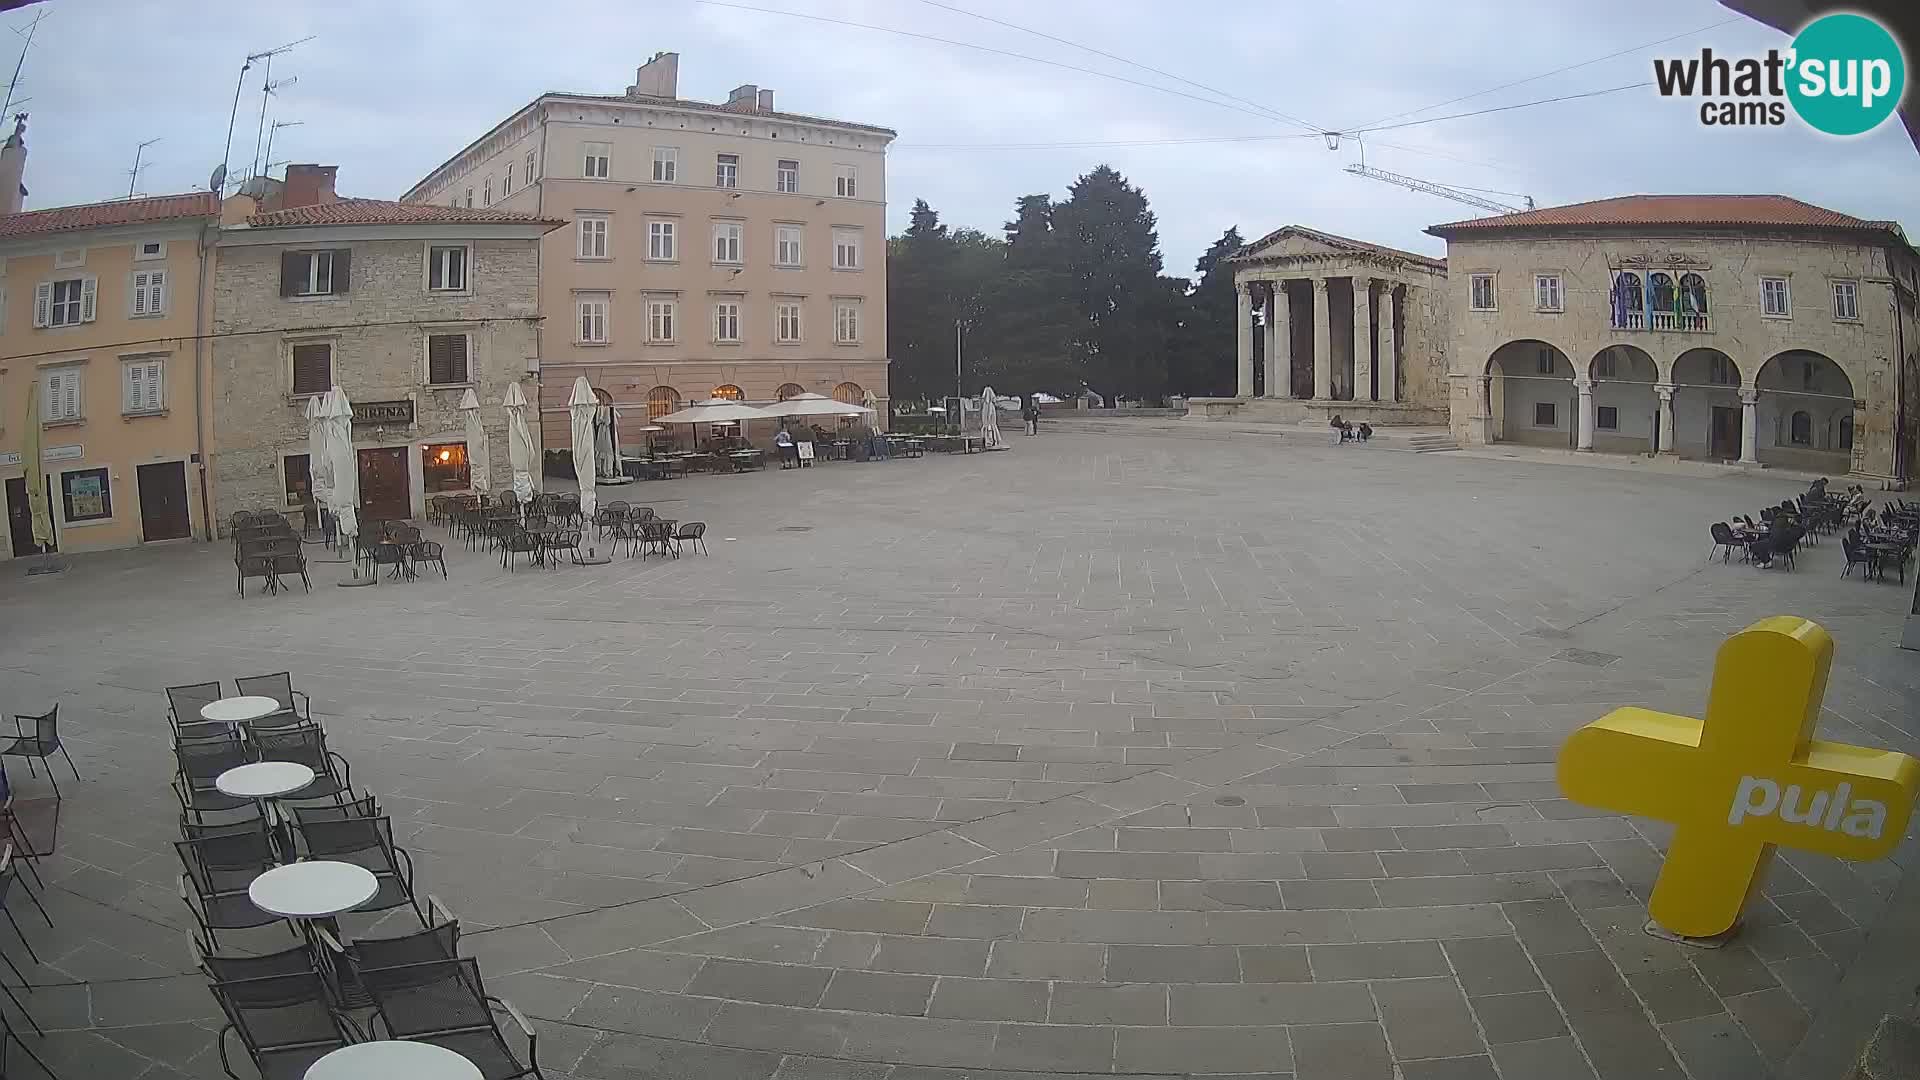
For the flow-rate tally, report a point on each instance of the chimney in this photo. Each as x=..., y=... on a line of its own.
x=744, y=98
x=13, y=167
x=766, y=101
x=658, y=77
x=308, y=185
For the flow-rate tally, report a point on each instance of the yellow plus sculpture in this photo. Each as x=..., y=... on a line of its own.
x=1749, y=777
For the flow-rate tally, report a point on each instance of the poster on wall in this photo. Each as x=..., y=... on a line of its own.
x=87, y=496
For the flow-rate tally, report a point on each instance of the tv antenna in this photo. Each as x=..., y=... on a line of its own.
x=268, y=88
x=226, y=155
x=133, y=174
x=267, y=169
x=14, y=83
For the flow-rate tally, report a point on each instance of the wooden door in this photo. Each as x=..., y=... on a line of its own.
x=163, y=501
x=1723, y=438
x=20, y=519
x=384, y=494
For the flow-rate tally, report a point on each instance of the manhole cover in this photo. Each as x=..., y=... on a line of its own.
x=1585, y=656
x=1229, y=800
x=794, y=528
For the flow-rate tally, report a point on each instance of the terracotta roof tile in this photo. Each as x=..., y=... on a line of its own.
x=118, y=212
x=1750, y=211
x=386, y=212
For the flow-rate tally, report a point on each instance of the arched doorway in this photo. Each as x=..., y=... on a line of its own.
x=1805, y=417
x=728, y=392
x=1626, y=413
x=1708, y=420
x=849, y=393
x=1530, y=395
x=788, y=391
x=662, y=400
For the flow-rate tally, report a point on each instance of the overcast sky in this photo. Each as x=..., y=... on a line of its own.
x=388, y=90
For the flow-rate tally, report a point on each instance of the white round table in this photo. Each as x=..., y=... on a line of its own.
x=316, y=889
x=239, y=710
x=264, y=779
x=393, y=1060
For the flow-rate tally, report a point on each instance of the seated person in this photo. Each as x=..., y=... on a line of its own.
x=1366, y=431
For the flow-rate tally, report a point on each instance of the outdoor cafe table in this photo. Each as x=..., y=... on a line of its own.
x=313, y=892
x=393, y=1059
x=239, y=710
x=745, y=459
x=263, y=782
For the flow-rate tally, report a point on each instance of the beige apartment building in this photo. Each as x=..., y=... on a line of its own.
x=1750, y=328
x=101, y=305
x=404, y=306
x=712, y=250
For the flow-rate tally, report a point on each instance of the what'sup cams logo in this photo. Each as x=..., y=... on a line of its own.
x=1844, y=75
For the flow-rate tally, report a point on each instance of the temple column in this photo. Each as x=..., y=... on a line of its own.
x=1243, y=310
x=1362, y=339
x=1664, y=391
x=1279, y=323
x=1750, y=426
x=1389, y=363
x=1583, y=440
x=1322, y=343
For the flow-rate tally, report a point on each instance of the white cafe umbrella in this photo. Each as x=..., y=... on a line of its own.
x=815, y=405
x=319, y=464
x=479, y=471
x=520, y=452
x=344, y=466
x=989, y=420
x=581, y=408
x=717, y=411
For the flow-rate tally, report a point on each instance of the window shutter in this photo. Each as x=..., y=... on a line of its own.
x=156, y=291
x=42, y=303
x=293, y=272
x=134, y=390
x=139, y=294
x=342, y=270
x=312, y=368
x=88, y=290
x=447, y=358
x=154, y=371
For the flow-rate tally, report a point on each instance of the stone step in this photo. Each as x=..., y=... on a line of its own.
x=1432, y=444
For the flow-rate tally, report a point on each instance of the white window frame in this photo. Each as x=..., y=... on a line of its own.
x=486, y=192
x=436, y=253
x=1548, y=294
x=506, y=181
x=592, y=321
x=663, y=240
x=64, y=382
x=1786, y=298
x=726, y=322
x=789, y=323
x=663, y=320
x=530, y=173
x=729, y=243
x=469, y=198
x=846, y=249
x=145, y=393
x=594, y=236
x=426, y=357
x=726, y=174
x=147, y=293
x=785, y=236
x=846, y=322
x=140, y=254
x=846, y=181
x=786, y=180
x=1473, y=293
x=84, y=304
x=1851, y=290
x=312, y=287
x=596, y=160
x=666, y=164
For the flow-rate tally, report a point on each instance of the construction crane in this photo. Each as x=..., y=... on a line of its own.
x=1412, y=183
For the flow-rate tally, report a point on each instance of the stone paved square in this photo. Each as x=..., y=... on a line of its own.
x=1145, y=753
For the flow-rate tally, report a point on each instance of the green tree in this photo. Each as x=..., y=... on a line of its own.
x=1202, y=361
x=1110, y=250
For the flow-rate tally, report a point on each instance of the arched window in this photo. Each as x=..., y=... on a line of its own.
x=728, y=392
x=1693, y=294
x=848, y=393
x=1846, y=432
x=788, y=391
x=1629, y=304
x=1800, y=430
x=662, y=400
x=1663, y=294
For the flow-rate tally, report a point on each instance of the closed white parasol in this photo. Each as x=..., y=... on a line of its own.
x=581, y=408
x=319, y=460
x=344, y=466
x=990, y=420
x=521, y=455
x=479, y=472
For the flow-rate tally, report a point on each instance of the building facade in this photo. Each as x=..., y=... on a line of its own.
x=1331, y=325
x=101, y=305
x=1748, y=328
x=712, y=250
x=404, y=307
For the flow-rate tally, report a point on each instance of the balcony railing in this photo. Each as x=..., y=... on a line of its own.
x=1672, y=321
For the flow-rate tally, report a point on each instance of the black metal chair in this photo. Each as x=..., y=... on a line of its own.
x=438, y=943
x=692, y=532
x=430, y=551
x=1858, y=555
x=445, y=1003
x=516, y=543
x=214, y=886
x=295, y=707
x=184, y=704
x=8, y=875
x=200, y=761
x=1724, y=542
x=242, y=968
x=366, y=806
x=608, y=515
x=285, y=1022
x=567, y=540
x=368, y=843
x=306, y=744
x=41, y=745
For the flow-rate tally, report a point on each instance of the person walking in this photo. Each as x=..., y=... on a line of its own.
x=789, y=453
x=1030, y=412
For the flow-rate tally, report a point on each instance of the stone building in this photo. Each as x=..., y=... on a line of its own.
x=715, y=249
x=1755, y=328
x=403, y=306
x=1343, y=326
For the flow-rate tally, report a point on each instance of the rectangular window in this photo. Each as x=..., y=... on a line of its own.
x=1606, y=418
x=530, y=176
x=1546, y=292
x=469, y=198
x=598, y=160
x=296, y=479
x=447, y=268
x=593, y=237
x=312, y=368
x=315, y=273
x=660, y=319
x=486, y=192
x=786, y=245
x=63, y=398
x=726, y=171
x=443, y=467
x=726, y=241
x=151, y=249
x=666, y=164
x=786, y=323
x=1543, y=361
x=846, y=249
x=68, y=302
x=1774, y=297
x=1846, y=300
x=1720, y=372
x=143, y=384
x=149, y=292
x=447, y=359
x=506, y=181
x=593, y=318
x=846, y=181
x=786, y=176
x=1544, y=414
x=726, y=321
x=1482, y=292
x=846, y=323
x=660, y=240
x=86, y=495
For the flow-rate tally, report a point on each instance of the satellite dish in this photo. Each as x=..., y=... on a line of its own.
x=219, y=178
